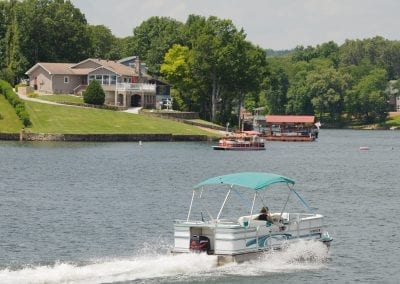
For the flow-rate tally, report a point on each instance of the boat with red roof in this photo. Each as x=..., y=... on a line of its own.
x=291, y=128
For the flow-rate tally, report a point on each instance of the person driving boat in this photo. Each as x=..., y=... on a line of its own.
x=264, y=215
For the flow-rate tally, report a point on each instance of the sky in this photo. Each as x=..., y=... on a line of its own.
x=275, y=24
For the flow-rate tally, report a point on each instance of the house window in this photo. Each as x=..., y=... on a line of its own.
x=66, y=79
x=99, y=78
x=103, y=79
x=113, y=80
x=106, y=79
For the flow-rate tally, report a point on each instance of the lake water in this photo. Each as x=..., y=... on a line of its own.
x=103, y=212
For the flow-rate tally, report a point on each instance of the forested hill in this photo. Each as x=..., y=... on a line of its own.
x=277, y=53
x=213, y=68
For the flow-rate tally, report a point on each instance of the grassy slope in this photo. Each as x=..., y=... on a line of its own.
x=66, y=119
x=61, y=98
x=393, y=121
x=10, y=122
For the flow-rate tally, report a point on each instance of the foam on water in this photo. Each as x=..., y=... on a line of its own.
x=300, y=256
x=303, y=255
x=142, y=267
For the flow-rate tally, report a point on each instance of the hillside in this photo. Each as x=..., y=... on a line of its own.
x=61, y=119
x=9, y=121
x=66, y=119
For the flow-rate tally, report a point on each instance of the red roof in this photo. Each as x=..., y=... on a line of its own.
x=290, y=118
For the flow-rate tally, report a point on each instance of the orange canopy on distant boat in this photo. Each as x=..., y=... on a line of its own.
x=290, y=118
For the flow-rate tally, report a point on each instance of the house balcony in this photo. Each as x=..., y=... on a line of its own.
x=141, y=87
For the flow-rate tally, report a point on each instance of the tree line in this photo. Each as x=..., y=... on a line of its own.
x=213, y=69
x=339, y=84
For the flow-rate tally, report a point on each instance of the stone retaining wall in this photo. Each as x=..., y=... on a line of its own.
x=9, y=136
x=100, y=137
x=173, y=115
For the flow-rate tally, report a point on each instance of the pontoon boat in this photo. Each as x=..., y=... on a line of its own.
x=244, y=237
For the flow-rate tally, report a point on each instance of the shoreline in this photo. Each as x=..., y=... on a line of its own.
x=26, y=136
x=127, y=137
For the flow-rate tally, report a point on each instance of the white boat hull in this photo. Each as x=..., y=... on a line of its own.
x=245, y=238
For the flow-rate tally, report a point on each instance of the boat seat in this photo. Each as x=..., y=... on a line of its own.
x=276, y=218
x=244, y=221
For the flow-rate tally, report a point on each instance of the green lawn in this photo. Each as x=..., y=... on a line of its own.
x=61, y=98
x=9, y=121
x=68, y=119
x=393, y=121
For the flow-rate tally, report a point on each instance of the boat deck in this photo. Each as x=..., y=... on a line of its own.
x=243, y=148
x=290, y=138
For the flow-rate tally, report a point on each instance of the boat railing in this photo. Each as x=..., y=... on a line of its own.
x=189, y=222
x=309, y=221
x=302, y=216
x=227, y=221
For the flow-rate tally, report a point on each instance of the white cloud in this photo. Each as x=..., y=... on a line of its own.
x=277, y=24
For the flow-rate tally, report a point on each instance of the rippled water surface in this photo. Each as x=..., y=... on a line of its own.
x=103, y=212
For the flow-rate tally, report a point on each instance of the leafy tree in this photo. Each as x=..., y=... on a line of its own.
x=94, y=94
x=358, y=71
x=327, y=89
x=320, y=64
x=216, y=68
x=153, y=38
x=304, y=54
x=391, y=57
x=378, y=51
x=218, y=54
x=247, y=73
x=396, y=85
x=367, y=100
x=176, y=71
x=120, y=48
x=351, y=52
x=277, y=88
x=52, y=31
x=4, y=19
x=14, y=59
x=175, y=67
x=101, y=42
x=299, y=97
x=328, y=50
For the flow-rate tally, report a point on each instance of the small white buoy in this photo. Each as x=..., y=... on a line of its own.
x=140, y=143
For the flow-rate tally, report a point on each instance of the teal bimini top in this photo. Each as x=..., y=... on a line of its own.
x=251, y=180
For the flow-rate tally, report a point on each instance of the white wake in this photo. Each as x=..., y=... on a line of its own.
x=173, y=268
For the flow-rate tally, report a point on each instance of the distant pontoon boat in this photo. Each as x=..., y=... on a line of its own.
x=291, y=128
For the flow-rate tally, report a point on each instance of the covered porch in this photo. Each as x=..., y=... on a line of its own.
x=135, y=95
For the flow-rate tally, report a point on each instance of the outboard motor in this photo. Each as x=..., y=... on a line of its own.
x=199, y=244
